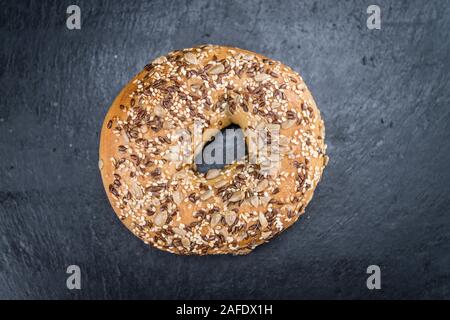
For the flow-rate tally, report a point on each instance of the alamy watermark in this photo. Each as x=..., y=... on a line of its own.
x=73, y=21
x=374, y=280
x=374, y=18
x=74, y=280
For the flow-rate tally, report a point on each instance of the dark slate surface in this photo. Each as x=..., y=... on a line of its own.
x=384, y=198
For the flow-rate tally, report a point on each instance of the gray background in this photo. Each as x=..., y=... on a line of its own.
x=384, y=198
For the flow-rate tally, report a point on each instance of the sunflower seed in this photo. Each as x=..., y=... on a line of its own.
x=284, y=141
x=160, y=218
x=254, y=201
x=233, y=205
x=237, y=196
x=241, y=236
x=144, y=128
x=179, y=232
x=230, y=218
x=288, y=123
x=136, y=190
x=264, y=200
x=224, y=232
x=189, y=57
x=206, y=195
x=159, y=111
x=159, y=60
x=171, y=156
x=220, y=183
x=215, y=219
x=265, y=163
x=168, y=125
x=284, y=149
x=262, y=185
x=261, y=77
x=213, y=173
x=266, y=234
x=125, y=137
x=177, y=197
x=301, y=86
x=261, y=126
x=180, y=174
x=263, y=220
x=185, y=242
x=218, y=68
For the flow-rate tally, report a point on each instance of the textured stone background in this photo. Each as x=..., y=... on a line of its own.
x=384, y=198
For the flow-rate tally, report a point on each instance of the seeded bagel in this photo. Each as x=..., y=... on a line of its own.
x=152, y=183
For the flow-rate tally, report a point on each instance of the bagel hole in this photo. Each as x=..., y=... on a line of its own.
x=224, y=148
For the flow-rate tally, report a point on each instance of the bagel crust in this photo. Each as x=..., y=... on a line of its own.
x=151, y=180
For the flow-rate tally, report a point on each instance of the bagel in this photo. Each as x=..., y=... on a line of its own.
x=147, y=151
